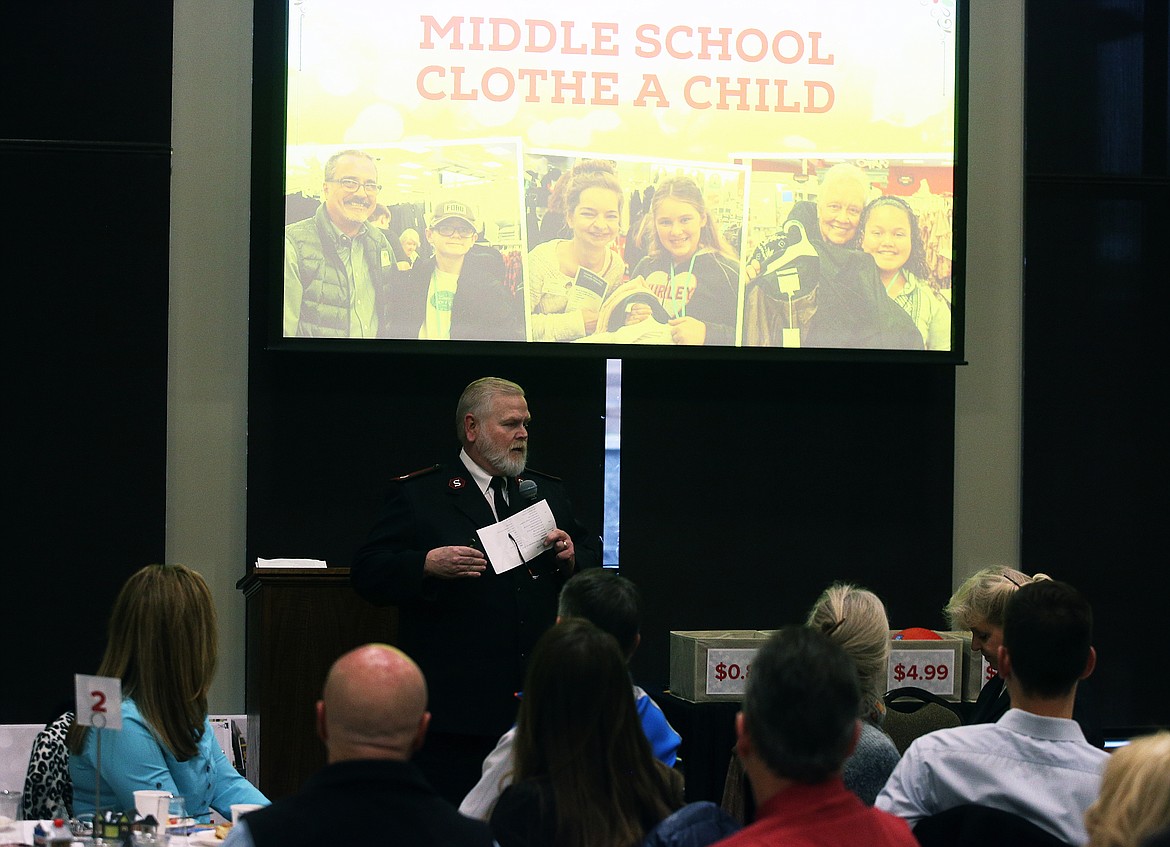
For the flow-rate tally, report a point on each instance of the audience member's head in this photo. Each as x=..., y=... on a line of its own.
x=373, y=706
x=856, y=619
x=162, y=645
x=606, y=600
x=1134, y=803
x=799, y=718
x=579, y=729
x=1047, y=640
x=979, y=603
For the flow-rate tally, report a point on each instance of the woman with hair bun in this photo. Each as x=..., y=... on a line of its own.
x=856, y=619
x=690, y=268
x=592, y=199
x=978, y=605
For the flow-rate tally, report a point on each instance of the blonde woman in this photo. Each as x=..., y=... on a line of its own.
x=856, y=619
x=978, y=605
x=1134, y=802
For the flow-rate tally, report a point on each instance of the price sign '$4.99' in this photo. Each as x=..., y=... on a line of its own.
x=931, y=670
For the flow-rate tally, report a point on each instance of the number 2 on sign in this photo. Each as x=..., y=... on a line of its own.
x=99, y=701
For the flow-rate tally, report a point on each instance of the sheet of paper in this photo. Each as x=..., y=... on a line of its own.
x=290, y=563
x=518, y=539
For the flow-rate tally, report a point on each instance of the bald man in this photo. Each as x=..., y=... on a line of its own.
x=372, y=718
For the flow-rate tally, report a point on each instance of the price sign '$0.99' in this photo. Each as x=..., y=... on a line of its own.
x=728, y=669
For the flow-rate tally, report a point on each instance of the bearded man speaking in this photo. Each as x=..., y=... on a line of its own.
x=469, y=628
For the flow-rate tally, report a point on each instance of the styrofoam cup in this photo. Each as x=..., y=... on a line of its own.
x=153, y=802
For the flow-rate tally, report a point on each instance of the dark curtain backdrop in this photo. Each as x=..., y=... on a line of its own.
x=1096, y=220
x=85, y=153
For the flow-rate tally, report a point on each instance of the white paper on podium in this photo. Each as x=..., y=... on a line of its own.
x=291, y=563
x=518, y=539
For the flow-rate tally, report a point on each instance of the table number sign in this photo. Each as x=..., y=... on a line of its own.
x=99, y=701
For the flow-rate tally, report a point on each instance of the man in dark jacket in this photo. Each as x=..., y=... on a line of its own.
x=471, y=627
x=372, y=718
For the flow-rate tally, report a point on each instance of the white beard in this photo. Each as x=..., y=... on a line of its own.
x=507, y=462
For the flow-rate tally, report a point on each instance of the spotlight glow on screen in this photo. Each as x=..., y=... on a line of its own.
x=725, y=175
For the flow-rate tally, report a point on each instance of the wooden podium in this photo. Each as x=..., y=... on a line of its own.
x=299, y=621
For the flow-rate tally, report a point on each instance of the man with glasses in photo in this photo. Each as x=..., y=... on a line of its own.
x=337, y=266
x=460, y=292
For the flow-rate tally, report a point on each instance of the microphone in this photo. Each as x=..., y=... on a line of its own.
x=547, y=562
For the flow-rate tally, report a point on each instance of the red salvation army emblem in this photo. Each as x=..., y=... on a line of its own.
x=456, y=482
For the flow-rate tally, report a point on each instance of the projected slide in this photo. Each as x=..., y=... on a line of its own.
x=724, y=174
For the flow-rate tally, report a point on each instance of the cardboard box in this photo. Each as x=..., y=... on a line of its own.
x=936, y=665
x=710, y=665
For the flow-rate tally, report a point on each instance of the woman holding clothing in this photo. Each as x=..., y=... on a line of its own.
x=690, y=266
x=162, y=645
x=593, y=200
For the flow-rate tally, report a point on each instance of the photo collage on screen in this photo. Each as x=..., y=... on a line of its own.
x=682, y=177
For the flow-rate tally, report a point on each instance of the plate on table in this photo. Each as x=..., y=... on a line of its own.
x=204, y=838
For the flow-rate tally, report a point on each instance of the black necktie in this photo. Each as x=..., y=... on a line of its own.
x=501, y=504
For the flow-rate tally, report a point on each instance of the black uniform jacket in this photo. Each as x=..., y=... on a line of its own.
x=470, y=636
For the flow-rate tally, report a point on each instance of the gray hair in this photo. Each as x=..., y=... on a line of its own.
x=848, y=173
x=476, y=400
x=984, y=596
x=331, y=162
x=856, y=619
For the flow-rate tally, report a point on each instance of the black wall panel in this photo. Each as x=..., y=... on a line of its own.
x=85, y=152
x=1094, y=452
x=85, y=481
x=747, y=490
